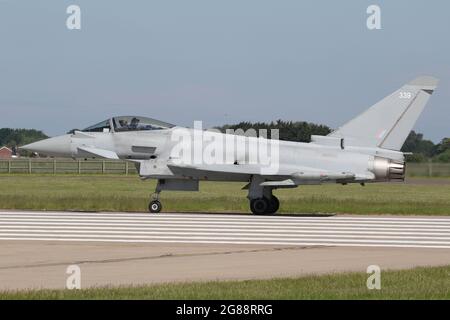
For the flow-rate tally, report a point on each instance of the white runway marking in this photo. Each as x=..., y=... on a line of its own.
x=408, y=232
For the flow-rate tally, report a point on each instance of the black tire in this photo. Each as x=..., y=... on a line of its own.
x=259, y=206
x=155, y=206
x=274, y=205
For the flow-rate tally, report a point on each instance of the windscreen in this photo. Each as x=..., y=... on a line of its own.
x=131, y=123
x=99, y=127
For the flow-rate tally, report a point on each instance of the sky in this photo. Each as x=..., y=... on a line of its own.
x=221, y=61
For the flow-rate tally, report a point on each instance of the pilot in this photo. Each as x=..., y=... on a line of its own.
x=123, y=125
x=134, y=123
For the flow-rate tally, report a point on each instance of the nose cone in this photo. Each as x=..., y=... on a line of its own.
x=57, y=146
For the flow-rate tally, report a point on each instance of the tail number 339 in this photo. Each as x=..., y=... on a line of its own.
x=405, y=95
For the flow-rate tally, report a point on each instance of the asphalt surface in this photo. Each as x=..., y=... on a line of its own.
x=128, y=248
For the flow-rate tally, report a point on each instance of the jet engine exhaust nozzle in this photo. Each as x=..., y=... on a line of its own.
x=389, y=170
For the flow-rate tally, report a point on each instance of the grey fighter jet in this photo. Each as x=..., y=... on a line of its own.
x=366, y=149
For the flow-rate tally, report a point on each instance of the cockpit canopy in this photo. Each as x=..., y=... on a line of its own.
x=128, y=123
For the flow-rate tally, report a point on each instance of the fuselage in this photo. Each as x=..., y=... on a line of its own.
x=154, y=150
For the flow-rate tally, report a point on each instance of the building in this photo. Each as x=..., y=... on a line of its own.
x=6, y=153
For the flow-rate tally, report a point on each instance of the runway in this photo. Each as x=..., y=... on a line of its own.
x=226, y=229
x=138, y=248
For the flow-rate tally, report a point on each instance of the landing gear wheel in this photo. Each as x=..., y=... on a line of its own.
x=155, y=206
x=274, y=205
x=259, y=206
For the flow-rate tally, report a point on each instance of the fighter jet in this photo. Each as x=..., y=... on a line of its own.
x=364, y=150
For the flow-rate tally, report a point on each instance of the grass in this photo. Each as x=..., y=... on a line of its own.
x=128, y=193
x=418, y=283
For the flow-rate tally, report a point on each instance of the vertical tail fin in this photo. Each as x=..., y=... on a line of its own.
x=388, y=123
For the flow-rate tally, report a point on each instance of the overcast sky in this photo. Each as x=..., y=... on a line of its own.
x=219, y=61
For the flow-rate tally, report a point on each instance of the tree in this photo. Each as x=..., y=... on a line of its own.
x=443, y=157
x=443, y=146
x=415, y=143
x=14, y=138
x=299, y=131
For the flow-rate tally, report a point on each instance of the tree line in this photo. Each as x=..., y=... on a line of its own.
x=424, y=150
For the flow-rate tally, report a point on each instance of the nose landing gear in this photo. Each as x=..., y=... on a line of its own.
x=155, y=205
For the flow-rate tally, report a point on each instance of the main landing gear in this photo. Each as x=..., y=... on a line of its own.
x=262, y=201
x=265, y=205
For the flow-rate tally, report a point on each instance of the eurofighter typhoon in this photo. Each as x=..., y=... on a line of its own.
x=364, y=150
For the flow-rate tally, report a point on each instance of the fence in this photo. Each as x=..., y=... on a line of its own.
x=429, y=169
x=61, y=166
x=58, y=166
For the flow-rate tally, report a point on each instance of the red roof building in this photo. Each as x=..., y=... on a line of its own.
x=5, y=153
